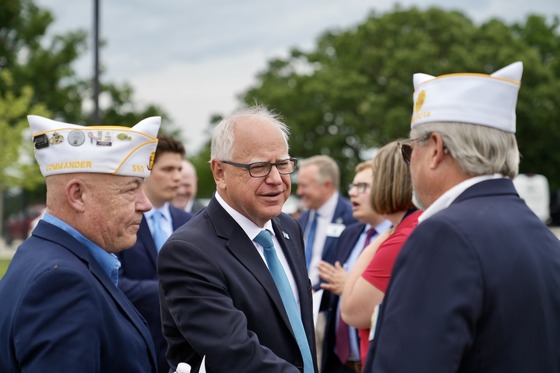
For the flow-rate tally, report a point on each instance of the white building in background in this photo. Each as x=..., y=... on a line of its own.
x=534, y=189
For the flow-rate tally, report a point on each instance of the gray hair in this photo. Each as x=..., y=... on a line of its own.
x=328, y=168
x=223, y=135
x=478, y=150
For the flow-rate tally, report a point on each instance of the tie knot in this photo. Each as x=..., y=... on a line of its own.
x=264, y=238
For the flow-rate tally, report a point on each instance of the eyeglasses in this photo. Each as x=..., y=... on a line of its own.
x=361, y=187
x=262, y=169
x=406, y=147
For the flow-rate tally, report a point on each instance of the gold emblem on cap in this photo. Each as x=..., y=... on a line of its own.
x=124, y=137
x=420, y=101
x=151, y=163
x=56, y=138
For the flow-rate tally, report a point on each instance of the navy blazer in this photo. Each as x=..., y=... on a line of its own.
x=60, y=312
x=342, y=215
x=138, y=279
x=344, y=247
x=474, y=289
x=219, y=299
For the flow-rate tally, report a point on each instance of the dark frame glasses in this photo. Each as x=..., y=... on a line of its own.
x=406, y=147
x=262, y=169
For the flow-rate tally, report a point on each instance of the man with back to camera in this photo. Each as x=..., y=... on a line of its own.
x=475, y=287
x=233, y=283
x=138, y=273
x=61, y=309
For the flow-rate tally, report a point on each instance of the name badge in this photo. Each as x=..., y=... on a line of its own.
x=335, y=229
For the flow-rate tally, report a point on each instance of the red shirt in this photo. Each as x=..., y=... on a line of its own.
x=378, y=271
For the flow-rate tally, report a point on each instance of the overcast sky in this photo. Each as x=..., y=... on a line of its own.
x=194, y=57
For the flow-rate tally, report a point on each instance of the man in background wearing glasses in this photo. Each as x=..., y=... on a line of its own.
x=475, y=288
x=233, y=281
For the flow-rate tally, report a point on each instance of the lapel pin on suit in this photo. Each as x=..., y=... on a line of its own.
x=285, y=235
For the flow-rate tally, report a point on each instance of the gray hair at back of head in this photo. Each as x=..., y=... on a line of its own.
x=478, y=150
x=328, y=168
x=223, y=135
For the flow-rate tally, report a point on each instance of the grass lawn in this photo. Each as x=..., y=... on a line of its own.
x=3, y=266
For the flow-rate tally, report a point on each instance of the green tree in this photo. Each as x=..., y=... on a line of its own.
x=46, y=64
x=35, y=61
x=354, y=90
x=17, y=166
x=42, y=76
x=206, y=184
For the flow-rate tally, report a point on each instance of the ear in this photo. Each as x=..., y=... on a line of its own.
x=75, y=191
x=438, y=151
x=219, y=173
x=329, y=184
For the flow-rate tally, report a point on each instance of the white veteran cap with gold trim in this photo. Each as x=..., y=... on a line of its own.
x=488, y=100
x=63, y=148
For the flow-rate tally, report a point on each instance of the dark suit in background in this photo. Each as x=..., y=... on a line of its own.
x=219, y=299
x=55, y=291
x=342, y=215
x=138, y=279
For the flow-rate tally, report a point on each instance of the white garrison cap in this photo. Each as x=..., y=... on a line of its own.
x=487, y=100
x=63, y=148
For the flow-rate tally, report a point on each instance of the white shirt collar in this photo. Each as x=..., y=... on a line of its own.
x=327, y=210
x=451, y=195
x=250, y=228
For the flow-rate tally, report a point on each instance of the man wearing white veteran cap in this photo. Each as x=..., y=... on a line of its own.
x=476, y=286
x=60, y=308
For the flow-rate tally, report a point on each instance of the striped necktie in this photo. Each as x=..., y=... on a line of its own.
x=342, y=329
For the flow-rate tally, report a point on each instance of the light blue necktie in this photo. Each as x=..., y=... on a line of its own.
x=158, y=234
x=264, y=238
x=310, y=239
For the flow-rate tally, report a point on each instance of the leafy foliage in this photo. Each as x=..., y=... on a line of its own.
x=16, y=158
x=36, y=75
x=353, y=92
x=46, y=65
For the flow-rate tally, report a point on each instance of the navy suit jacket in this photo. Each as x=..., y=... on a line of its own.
x=474, y=289
x=138, y=279
x=344, y=246
x=60, y=312
x=342, y=215
x=219, y=299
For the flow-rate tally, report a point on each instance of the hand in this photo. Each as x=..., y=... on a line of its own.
x=334, y=276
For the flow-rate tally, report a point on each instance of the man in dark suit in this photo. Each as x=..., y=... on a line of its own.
x=348, y=247
x=243, y=303
x=475, y=288
x=138, y=273
x=327, y=214
x=318, y=185
x=185, y=198
x=60, y=308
